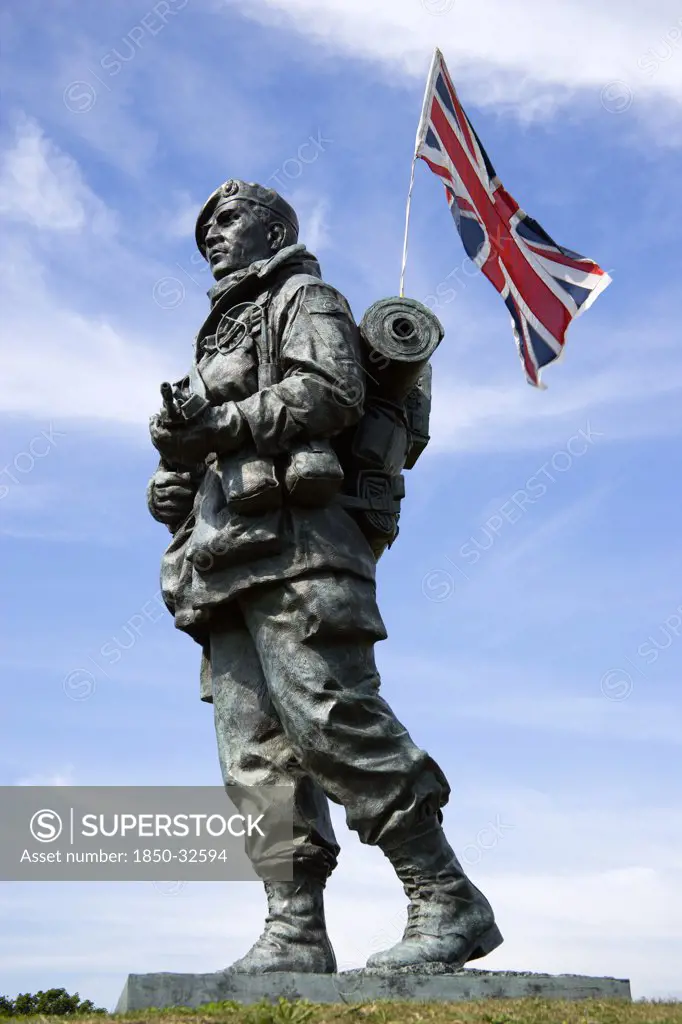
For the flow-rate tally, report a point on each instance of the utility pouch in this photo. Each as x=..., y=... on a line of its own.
x=249, y=483
x=381, y=439
x=313, y=475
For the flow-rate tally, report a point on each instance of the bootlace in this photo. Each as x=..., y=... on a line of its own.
x=419, y=894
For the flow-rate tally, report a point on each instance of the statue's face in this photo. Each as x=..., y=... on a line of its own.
x=235, y=238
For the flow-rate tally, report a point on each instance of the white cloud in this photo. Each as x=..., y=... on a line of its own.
x=180, y=220
x=43, y=187
x=60, y=777
x=526, y=54
x=67, y=352
x=312, y=215
x=77, y=366
x=597, y=717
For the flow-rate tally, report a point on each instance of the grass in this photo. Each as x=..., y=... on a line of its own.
x=497, y=1011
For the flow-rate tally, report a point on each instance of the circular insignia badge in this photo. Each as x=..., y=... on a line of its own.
x=232, y=327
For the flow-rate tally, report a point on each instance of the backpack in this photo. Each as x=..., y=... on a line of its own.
x=398, y=336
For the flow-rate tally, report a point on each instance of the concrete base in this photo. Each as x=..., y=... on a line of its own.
x=437, y=984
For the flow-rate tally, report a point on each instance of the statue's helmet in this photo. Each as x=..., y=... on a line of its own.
x=238, y=191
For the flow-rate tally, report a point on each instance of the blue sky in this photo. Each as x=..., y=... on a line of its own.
x=539, y=664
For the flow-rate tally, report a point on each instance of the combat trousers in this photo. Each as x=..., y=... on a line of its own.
x=296, y=702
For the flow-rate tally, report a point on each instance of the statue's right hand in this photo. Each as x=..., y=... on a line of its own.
x=171, y=496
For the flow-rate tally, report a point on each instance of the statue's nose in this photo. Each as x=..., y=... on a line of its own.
x=213, y=233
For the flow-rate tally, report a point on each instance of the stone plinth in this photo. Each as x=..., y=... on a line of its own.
x=438, y=984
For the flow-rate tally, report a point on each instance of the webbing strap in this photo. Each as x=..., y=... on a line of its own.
x=368, y=504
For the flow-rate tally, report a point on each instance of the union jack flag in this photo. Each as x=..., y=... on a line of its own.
x=544, y=285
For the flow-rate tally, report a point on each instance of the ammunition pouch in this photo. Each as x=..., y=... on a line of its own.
x=381, y=438
x=313, y=475
x=250, y=483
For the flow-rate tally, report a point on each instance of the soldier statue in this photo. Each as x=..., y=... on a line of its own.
x=272, y=570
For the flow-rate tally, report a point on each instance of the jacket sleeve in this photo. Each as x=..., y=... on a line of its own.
x=321, y=386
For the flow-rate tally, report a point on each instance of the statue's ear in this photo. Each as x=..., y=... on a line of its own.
x=276, y=235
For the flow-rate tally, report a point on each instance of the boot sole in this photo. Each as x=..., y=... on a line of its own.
x=486, y=944
x=481, y=946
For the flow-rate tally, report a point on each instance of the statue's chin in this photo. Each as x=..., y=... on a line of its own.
x=222, y=269
x=225, y=265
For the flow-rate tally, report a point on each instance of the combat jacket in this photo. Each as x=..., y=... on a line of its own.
x=219, y=552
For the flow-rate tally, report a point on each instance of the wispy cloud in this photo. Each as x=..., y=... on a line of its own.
x=637, y=721
x=60, y=777
x=71, y=362
x=312, y=213
x=42, y=186
x=79, y=367
x=523, y=55
x=180, y=219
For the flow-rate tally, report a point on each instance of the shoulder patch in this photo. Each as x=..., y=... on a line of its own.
x=325, y=300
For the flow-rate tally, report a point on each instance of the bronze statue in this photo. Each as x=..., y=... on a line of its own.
x=280, y=479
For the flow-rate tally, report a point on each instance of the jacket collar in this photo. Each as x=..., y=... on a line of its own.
x=253, y=277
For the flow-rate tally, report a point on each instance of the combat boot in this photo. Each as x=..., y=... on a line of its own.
x=295, y=934
x=449, y=920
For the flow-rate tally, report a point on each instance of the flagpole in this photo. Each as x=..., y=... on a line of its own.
x=407, y=228
x=421, y=132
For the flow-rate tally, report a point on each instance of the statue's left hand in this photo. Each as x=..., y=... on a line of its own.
x=183, y=442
